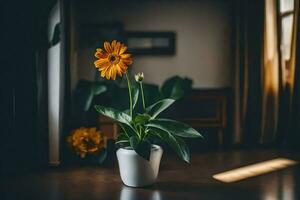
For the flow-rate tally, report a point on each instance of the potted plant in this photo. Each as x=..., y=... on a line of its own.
x=139, y=158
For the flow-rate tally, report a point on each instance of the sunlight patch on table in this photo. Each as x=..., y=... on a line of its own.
x=254, y=170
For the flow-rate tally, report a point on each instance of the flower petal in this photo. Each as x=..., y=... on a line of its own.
x=107, y=47
x=127, y=55
x=105, y=65
x=101, y=62
x=127, y=61
x=117, y=48
x=100, y=54
x=114, y=72
x=104, y=71
x=108, y=74
x=119, y=70
x=123, y=49
x=123, y=66
x=113, y=44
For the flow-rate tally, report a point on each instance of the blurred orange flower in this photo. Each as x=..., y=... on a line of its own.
x=86, y=141
x=112, y=60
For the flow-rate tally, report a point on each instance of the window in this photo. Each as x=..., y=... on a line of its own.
x=287, y=16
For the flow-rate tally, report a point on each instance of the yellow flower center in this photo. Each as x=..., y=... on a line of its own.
x=114, y=58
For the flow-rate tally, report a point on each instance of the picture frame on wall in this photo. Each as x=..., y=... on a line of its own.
x=151, y=43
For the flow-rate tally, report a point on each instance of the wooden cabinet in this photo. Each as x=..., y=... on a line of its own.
x=108, y=127
x=204, y=109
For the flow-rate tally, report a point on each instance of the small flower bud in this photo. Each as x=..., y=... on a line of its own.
x=139, y=77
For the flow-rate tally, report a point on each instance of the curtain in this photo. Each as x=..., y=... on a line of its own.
x=292, y=127
x=249, y=26
x=265, y=97
x=270, y=76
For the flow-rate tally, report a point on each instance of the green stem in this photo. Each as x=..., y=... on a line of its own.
x=130, y=95
x=146, y=132
x=122, y=127
x=141, y=134
x=143, y=97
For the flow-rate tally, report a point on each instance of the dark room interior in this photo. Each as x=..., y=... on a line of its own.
x=150, y=99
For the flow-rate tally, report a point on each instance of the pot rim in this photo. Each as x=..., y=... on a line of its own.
x=154, y=147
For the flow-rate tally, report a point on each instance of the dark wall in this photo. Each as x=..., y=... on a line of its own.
x=23, y=33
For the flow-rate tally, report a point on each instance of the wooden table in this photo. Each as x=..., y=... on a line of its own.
x=177, y=181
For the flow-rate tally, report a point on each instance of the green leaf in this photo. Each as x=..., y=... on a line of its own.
x=176, y=87
x=134, y=142
x=135, y=95
x=122, y=137
x=141, y=147
x=99, y=88
x=84, y=95
x=114, y=114
x=141, y=119
x=174, y=127
x=96, y=89
x=128, y=130
x=122, y=140
x=88, y=102
x=177, y=144
x=186, y=155
x=155, y=109
x=152, y=93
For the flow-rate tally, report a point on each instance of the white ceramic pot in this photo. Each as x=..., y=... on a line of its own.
x=135, y=171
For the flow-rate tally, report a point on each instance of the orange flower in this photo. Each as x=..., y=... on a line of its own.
x=86, y=141
x=113, y=60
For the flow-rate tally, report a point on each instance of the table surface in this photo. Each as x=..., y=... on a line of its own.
x=177, y=180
